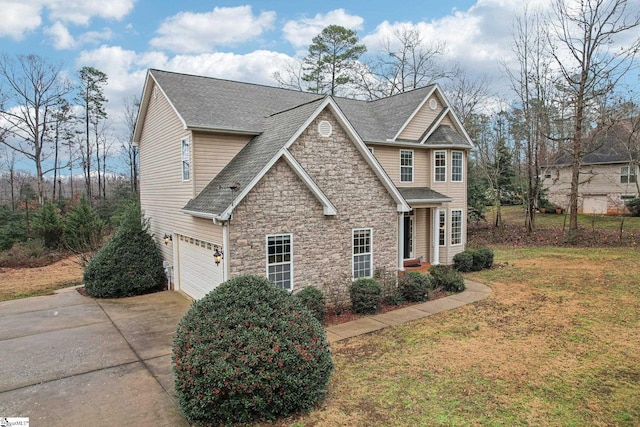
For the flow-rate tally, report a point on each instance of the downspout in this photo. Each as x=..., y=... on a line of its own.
x=436, y=236
x=226, y=251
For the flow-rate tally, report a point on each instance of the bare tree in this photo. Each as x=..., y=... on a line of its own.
x=467, y=95
x=34, y=89
x=587, y=43
x=131, y=106
x=290, y=77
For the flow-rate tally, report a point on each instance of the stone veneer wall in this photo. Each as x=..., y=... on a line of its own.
x=322, y=246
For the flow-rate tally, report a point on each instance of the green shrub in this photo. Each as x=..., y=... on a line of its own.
x=249, y=351
x=463, y=261
x=366, y=296
x=634, y=206
x=485, y=257
x=12, y=228
x=47, y=225
x=128, y=264
x=447, y=278
x=313, y=298
x=391, y=293
x=415, y=286
x=82, y=228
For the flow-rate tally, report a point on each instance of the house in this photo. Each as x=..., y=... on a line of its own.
x=302, y=188
x=608, y=171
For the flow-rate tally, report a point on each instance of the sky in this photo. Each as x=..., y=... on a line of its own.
x=242, y=40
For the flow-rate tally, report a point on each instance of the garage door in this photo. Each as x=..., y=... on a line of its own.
x=198, y=273
x=594, y=205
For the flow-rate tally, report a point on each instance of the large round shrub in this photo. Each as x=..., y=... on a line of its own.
x=128, y=264
x=485, y=258
x=249, y=351
x=446, y=278
x=313, y=299
x=463, y=261
x=366, y=296
x=415, y=286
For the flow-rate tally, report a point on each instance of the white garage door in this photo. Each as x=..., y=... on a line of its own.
x=198, y=273
x=594, y=205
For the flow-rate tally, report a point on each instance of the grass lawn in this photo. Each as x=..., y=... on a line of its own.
x=557, y=343
x=31, y=282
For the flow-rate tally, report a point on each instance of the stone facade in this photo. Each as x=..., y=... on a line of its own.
x=322, y=245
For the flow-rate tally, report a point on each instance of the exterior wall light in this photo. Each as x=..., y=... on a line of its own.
x=167, y=238
x=217, y=255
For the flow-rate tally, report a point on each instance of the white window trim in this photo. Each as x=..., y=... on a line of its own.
x=632, y=171
x=461, y=227
x=413, y=161
x=461, y=166
x=183, y=159
x=434, y=165
x=267, y=265
x=442, y=214
x=353, y=256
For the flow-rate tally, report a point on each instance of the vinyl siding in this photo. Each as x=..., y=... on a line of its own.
x=422, y=224
x=211, y=153
x=389, y=158
x=162, y=191
x=421, y=121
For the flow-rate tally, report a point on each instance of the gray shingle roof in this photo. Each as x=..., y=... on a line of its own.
x=444, y=136
x=247, y=164
x=422, y=194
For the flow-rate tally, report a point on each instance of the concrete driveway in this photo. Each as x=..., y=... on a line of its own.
x=69, y=360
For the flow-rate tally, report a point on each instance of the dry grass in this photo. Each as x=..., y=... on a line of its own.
x=26, y=282
x=557, y=343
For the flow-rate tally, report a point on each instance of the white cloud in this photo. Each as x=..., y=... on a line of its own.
x=300, y=32
x=61, y=38
x=189, y=32
x=18, y=18
x=81, y=11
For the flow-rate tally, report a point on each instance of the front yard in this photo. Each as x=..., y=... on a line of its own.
x=558, y=343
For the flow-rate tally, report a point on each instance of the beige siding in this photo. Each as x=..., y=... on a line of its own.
x=162, y=191
x=211, y=153
x=596, y=180
x=389, y=158
x=422, y=224
x=446, y=120
x=421, y=121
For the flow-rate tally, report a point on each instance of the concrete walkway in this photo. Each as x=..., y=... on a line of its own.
x=68, y=360
x=474, y=292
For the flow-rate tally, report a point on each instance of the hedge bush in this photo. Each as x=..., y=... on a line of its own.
x=415, y=286
x=366, y=296
x=313, y=299
x=484, y=258
x=83, y=228
x=463, y=261
x=47, y=224
x=128, y=264
x=249, y=351
x=447, y=278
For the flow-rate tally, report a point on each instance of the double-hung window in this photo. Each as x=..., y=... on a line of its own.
x=280, y=260
x=406, y=165
x=628, y=174
x=186, y=158
x=440, y=166
x=456, y=166
x=456, y=226
x=362, y=253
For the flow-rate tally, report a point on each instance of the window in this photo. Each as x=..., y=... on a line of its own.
x=456, y=226
x=440, y=166
x=406, y=166
x=280, y=260
x=628, y=174
x=443, y=227
x=456, y=166
x=362, y=253
x=186, y=159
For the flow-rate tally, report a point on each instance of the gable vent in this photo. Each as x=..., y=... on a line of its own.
x=325, y=129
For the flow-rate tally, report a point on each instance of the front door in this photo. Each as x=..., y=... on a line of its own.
x=408, y=236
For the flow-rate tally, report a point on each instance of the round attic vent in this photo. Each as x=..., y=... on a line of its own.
x=325, y=129
x=433, y=104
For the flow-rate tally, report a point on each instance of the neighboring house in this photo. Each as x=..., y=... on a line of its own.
x=304, y=189
x=608, y=173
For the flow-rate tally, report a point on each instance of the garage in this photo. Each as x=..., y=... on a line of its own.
x=197, y=273
x=594, y=204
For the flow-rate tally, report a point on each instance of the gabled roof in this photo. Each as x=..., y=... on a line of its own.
x=445, y=137
x=246, y=169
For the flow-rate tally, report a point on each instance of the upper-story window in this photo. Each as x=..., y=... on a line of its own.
x=186, y=158
x=456, y=166
x=628, y=174
x=440, y=166
x=406, y=165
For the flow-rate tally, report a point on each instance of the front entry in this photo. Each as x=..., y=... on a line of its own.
x=408, y=236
